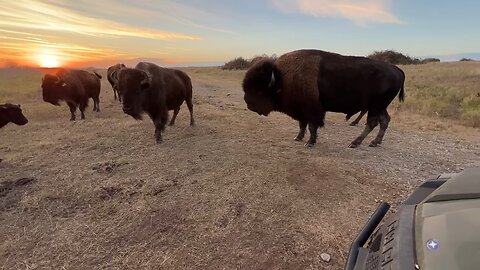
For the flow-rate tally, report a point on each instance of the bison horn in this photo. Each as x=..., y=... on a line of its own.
x=115, y=75
x=272, y=80
x=146, y=82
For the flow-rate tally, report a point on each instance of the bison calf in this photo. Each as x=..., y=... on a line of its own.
x=155, y=90
x=112, y=77
x=11, y=113
x=75, y=87
x=305, y=84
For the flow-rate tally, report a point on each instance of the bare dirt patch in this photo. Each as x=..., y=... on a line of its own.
x=233, y=192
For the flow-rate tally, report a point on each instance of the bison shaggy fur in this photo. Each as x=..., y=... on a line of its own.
x=305, y=84
x=149, y=88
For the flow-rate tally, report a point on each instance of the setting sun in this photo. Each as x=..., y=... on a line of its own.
x=48, y=60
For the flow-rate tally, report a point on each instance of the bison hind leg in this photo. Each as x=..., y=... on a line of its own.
x=384, y=120
x=372, y=122
x=190, y=109
x=175, y=113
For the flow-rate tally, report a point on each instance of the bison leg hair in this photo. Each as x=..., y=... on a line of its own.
x=357, y=120
x=384, y=120
x=313, y=135
x=301, y=133
x=73, y=110
x=372, y=122
x=175, y=113
x=115, y=94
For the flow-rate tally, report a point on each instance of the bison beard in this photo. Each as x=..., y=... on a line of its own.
x=154, y=90
x=305, y=84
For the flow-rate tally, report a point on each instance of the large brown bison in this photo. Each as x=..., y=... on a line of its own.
x=11, y=113
x=75, y=87
x=155, y=90
x=112, y=77
x=305, y=84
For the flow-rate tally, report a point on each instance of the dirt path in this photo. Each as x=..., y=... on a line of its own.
x=235, y=192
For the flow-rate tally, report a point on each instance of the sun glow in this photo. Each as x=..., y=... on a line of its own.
x=48, y=59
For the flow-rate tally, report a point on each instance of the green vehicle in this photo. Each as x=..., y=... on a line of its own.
x=437, y=227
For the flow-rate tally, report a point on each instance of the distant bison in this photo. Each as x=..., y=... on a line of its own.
x=112, y=77
x=11, y=113
x=155, y=90
x=305, y=84
x=75, y=87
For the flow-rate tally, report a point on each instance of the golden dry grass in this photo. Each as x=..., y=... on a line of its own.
x=234, y=192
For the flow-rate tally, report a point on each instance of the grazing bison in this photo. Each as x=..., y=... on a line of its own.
x=112, y=77
x=305, y=84
x=75, y=87
x=155, y=90
x=11, y=113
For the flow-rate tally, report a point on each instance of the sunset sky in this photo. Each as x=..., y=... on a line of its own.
x=201, y=32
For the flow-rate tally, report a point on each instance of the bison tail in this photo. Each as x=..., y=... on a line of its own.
x=98, y=75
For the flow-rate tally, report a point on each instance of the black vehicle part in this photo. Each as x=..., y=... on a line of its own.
x=365, y=233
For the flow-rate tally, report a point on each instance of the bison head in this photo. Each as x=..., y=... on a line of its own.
x=14, y=114
x=262, y=86
x=51, y=89
x=132, y=84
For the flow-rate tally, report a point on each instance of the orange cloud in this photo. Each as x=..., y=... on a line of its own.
x=358, y=11
x=29, y=14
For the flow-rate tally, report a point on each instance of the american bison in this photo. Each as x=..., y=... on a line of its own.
x=11, y=113
x=305, y=84
x=75, y=87
x=112, y=77
x=155, y=90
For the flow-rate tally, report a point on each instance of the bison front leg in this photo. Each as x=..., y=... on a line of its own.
x=301, y=132
x=82, y=111
x=159, y=123
x=313, y=135
x=73, y=110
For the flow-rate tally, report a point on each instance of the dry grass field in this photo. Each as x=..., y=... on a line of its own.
x=233, y=192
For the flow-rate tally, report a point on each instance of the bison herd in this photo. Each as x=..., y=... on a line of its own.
x=303, y=84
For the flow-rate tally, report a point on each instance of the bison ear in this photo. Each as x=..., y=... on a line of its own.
x=146, y=82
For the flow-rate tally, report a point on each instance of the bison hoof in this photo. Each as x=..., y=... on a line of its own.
x=354, y=145
x=354, y=124
x=298, y=139
x=374, y=144
x=309, y=145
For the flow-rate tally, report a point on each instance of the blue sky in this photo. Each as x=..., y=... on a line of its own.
x=197, y=32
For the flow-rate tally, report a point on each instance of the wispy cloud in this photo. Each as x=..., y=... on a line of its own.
x=359, y=11
x=29, y=14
